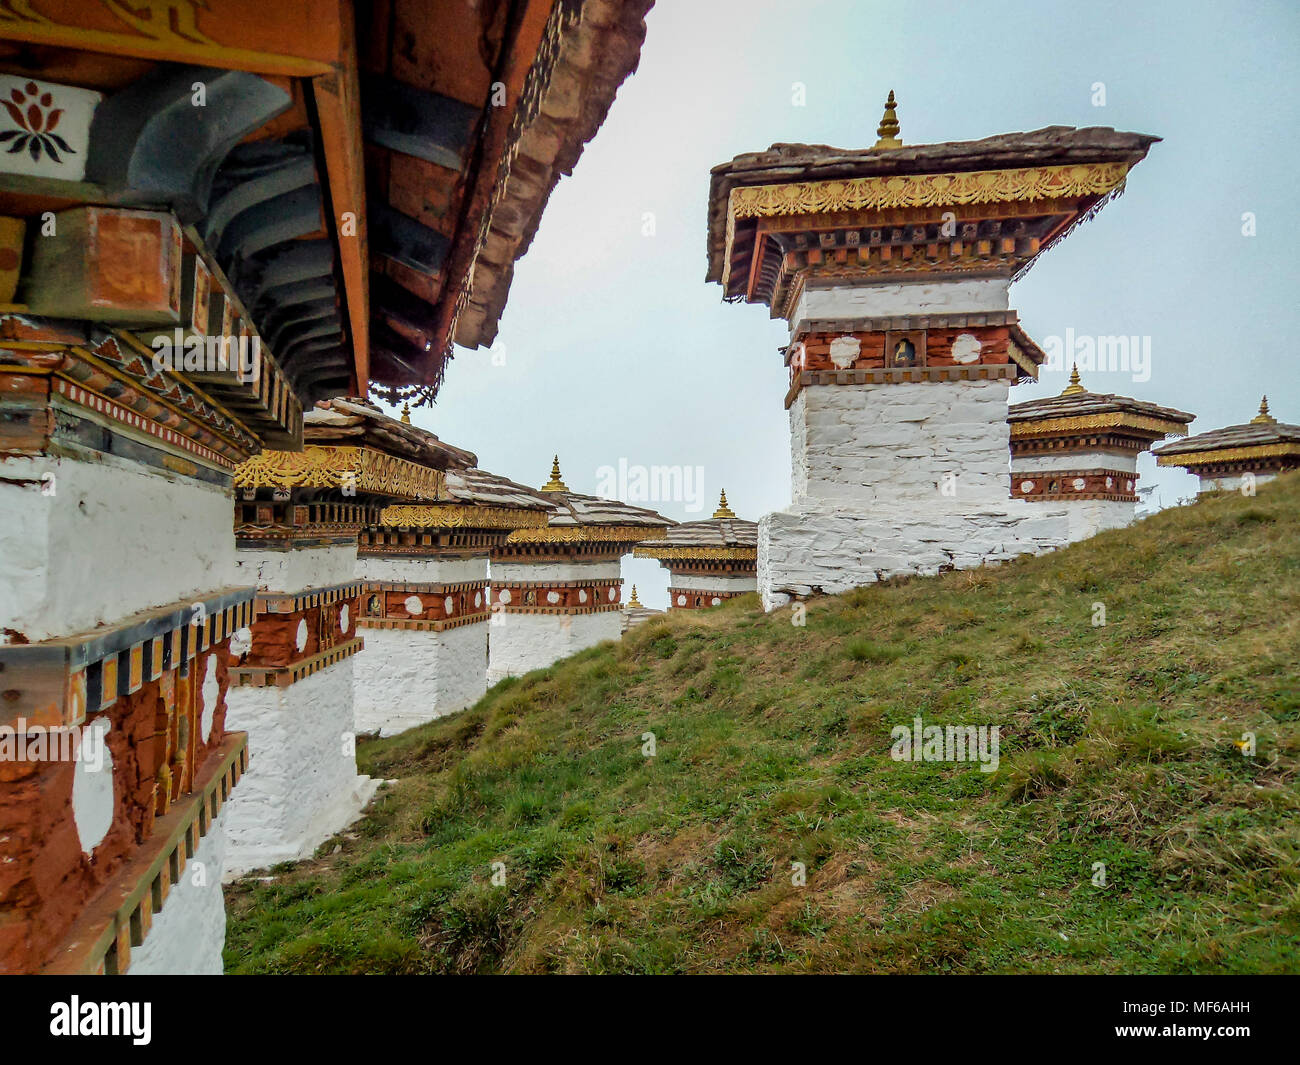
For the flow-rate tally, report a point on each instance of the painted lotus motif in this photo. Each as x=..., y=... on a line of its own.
x=37, y=117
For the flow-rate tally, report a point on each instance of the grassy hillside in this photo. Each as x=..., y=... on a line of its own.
x=773, y=741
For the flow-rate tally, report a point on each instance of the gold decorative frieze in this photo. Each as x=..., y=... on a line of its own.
x=1028, y=184
x=669, y=554
x=587, y=534
x=926, y=190
x=1091, y=422
x=356, y=469
x=1229, y=454
x=1017, y=355
x=456, y=516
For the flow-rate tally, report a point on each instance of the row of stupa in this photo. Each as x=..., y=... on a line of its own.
x=401, y=585
x=224, y=230
x=397, y=581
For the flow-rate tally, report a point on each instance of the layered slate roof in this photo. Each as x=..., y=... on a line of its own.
x=580, y=518
x=575, y=510
x=1262, y=432
x=459, y=178
x=349, y=421
x=479, y=488
x=783, y=163
x=715, y=533
x=1082, y=404
x=722, y=538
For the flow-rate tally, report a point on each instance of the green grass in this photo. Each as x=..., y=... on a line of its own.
x=1117, y=746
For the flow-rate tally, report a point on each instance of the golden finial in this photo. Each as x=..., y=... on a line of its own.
x=888, y=129
x=723, y=510
x=634, y=602
x=1074, y=388
x=1263, y=417
x=406, y=414
x=555, y=484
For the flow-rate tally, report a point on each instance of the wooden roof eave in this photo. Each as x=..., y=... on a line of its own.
x=491, y=145
x=313, y=40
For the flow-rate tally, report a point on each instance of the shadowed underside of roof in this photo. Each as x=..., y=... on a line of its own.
x=456, y=182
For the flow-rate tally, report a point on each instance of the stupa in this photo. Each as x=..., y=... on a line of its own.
x=891, y=266
x=637, y=613
x=1081, y=448
x=425, y=607
x=709, y=561
x=558, y=589
x=1229, y=459
x=298, y=518
x=338, y=190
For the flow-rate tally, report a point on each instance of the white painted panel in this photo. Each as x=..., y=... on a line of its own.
x=302, y=784
x=189, y=932
x=554, y=572
x=406, y=677
x=423, y=570
x=877, y=300
x=85, y=544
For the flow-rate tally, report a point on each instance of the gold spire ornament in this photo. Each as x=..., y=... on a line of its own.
x=1075, y=387
x=1263, y=417
x=634, y=603
x=555, y=484
x=888, y=129
x=406, y=414
x=723, y=510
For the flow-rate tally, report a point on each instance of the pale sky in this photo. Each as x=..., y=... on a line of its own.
x=613, y=348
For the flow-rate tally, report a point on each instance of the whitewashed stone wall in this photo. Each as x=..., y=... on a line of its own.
x=189, y=932
x=84, y=544
x=518, y=643
x=406, y=677
x=897, y=479
x=896, y=443
x=297, y=570
x=302, y=784
x=1087, y=517
x=1230, y=482
x=817, y=549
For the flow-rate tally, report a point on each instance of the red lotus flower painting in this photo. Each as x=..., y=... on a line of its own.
x=37, y=117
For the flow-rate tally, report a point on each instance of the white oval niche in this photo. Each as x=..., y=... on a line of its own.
x=92, y=785
x=211, y=694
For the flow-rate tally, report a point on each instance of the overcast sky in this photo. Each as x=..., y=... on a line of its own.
x=614, y=349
